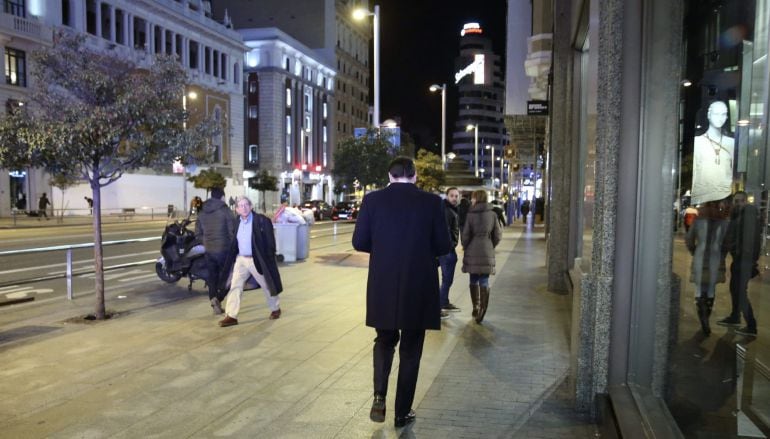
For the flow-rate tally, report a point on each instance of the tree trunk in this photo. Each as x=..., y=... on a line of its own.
x=99, y=311
x=264, y=204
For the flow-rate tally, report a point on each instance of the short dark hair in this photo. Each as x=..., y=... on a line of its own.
x=449, y=189
x=401, y=167
x=217, y=192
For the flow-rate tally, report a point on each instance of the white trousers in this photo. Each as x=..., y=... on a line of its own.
x=241, y=271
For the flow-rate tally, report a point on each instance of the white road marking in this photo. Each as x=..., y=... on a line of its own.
x=23, y=292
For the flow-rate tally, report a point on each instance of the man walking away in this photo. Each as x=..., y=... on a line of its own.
x=216, y=227
x=449, y=260
x=404, y=230
x=42, y=205
x=252, y=257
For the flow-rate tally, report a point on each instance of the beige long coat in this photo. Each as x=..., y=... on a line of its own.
x=480, y=236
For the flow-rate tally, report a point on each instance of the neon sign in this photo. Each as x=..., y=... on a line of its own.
x=476, y=67
x=470, y=28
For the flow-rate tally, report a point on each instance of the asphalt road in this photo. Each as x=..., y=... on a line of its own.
x=19, y=271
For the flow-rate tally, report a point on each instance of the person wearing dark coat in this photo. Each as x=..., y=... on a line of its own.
x=448, y=262
x=252, y=261
x=462, y=212
x=404, y=231
x=215, y=226
x=42, y=206
x=480, y=236
x=744, y=242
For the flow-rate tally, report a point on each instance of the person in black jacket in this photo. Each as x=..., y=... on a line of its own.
x=216, y=227
x=253, y=262
x=449, y=260
x=744, y=242
x=404, y=230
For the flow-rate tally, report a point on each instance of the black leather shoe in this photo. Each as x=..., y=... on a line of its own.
x=377, y=413
x=403, y=421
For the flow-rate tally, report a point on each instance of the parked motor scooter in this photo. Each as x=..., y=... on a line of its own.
x=182, y=254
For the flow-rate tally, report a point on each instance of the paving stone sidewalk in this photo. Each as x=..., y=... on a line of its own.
x=508, y=376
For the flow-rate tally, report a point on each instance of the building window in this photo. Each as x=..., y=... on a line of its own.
x=15, y=67
x=91, y=17
x=66, y=15
x=223, y=65
x=288, y=139
x=252, y=86
x=206, y=60
x=140, y=33
x=169, y=42
x=15, y=7
x=288, y=97
x=193, y=54
x=325, y=114
x=286, y=63
x=120, y=19
x=235, y=73
x=253, y=154
x=179, y=46
x=157, y=35
x=106, y=25
x=253, y=112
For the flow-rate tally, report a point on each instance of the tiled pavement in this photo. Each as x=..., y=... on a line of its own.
x=168, y=371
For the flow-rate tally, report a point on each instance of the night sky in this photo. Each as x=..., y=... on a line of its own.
x=419, y=42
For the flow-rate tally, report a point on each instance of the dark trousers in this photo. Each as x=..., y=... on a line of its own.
x=410, y=352
x=739, y=283
x=215, y=264
x=447, y=263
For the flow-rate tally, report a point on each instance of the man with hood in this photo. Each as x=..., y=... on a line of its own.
x=216, y=227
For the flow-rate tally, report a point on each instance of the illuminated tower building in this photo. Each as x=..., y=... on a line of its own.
x=481, y=94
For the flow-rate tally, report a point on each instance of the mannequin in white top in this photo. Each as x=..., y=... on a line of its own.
x=712, y=175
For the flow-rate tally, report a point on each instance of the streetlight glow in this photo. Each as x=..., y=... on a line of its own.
x=360, y=14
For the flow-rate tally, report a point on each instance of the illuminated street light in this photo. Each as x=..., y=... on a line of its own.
x=434, y=88
x=192, y=95
x=475, y=128
x=360, y=14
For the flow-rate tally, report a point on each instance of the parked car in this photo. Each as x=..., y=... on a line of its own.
x=321, y=209
x=345, y=210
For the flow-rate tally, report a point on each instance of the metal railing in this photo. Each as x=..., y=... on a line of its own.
x=68, y=273
x=120, y=213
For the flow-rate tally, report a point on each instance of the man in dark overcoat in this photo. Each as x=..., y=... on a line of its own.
x=252, y=261
x=404, y=231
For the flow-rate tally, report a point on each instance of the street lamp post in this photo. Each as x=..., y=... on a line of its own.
x=492, y=171
x=475, y=128
x=434, y=88
x=192, y=95
x=360, y=14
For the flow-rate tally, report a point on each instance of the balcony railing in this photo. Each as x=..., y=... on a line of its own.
x=24, y=27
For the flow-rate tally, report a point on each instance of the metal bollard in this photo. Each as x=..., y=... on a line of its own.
x=69, y=273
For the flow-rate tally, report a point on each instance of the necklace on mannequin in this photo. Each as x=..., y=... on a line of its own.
x=716, y=145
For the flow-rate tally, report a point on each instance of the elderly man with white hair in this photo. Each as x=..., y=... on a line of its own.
x=252, y=258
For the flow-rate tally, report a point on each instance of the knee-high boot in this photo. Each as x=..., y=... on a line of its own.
x=483, y=303
x=704, y=305
x=475, y=299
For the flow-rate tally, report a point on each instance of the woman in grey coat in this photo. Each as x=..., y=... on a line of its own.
x=481, y=234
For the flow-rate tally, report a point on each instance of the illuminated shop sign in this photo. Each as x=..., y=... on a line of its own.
x=476, y=68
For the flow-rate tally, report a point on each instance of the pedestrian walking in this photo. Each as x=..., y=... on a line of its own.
x=481, y=235
x=744, y=242
x=448, y=262
x=90, y=203
x=231, y=202
x=42, y=206
x=462, y=212
x=705, y=241
x=216, y=227
x=525, y=210
x=404, y=230
x=252, y=258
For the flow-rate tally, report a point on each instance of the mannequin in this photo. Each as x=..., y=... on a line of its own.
x=712, y=174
